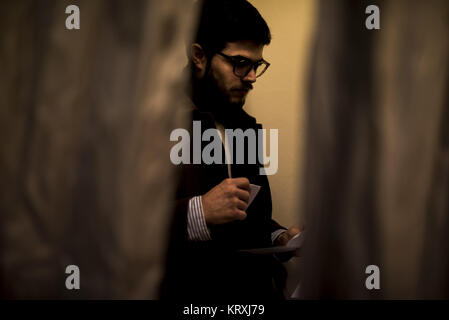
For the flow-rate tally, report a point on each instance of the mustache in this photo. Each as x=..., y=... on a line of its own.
x=245, y=87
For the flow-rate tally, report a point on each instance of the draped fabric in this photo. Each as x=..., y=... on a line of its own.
x=377, y=152
x=86, y=178
x=85, y=121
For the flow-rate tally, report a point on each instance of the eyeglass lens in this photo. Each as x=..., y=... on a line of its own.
x=242, y=70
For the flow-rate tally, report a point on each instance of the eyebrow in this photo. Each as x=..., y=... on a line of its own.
x=246, y=58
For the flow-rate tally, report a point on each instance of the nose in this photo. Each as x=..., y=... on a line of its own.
x=251, y=76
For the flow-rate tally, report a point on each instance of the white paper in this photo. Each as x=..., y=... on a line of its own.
x=296, y=241
x=294, y=244
x=297, y=293
x=254, y=190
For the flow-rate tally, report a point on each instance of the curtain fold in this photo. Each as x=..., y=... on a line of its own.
x=86, y=117
x=376, y=182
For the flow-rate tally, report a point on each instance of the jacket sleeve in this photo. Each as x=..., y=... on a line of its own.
x=275, y=226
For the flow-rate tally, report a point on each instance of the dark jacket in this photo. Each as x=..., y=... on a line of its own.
x=216, y=269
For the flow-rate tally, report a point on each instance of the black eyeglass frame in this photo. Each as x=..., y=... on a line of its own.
x=235, y=59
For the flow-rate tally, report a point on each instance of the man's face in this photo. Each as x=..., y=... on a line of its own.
x=231, y=87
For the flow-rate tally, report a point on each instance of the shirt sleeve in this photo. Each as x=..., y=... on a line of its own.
x=196, y=223
x=276, y=234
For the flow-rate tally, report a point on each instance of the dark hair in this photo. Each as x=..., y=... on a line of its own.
x=222, y=21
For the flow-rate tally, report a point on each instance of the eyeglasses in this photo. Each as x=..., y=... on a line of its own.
x=242, y=66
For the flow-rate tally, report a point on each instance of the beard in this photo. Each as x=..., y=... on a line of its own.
x=220, y=97
x=209, y=98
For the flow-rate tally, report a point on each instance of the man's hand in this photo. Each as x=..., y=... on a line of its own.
x=227, y=201
x=285, y=237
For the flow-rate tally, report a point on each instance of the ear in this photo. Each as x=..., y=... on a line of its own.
x=199, y=59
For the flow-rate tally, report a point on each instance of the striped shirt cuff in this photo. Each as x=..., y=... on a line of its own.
x=276, y=234
x=196, y=223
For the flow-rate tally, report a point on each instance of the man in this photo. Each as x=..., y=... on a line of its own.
x=213, y=221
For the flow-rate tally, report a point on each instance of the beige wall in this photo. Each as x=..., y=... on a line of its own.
x=278, y=101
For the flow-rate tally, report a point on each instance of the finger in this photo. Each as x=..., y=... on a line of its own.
x=292, y=231
x=242, y=183
x=301, y=226
x=282, y=239
x=242, y=205
x=240, y=215
x=242, y=195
